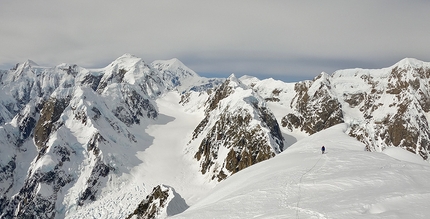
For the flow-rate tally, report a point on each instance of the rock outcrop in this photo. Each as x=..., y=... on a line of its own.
x=237, y=131
x=161, y=203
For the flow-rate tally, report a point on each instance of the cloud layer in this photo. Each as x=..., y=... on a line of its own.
x=288, y=40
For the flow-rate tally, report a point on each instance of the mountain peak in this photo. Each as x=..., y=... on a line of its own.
x=174, y=70
x=412, y=62
x=232, y=77
x=174, y=64
x=127, y=55
x=323, y=76
x=235, y=82
x=25, y=65
x=126, y=60
x=174, y=61
x=30, y=63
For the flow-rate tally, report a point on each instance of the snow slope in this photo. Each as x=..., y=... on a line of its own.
x=346, y=182
x=167, y=160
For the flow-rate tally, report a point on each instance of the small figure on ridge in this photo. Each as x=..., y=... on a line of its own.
x=323, y=149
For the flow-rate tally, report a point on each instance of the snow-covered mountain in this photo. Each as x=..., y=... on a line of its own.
x=66, y=130
x=238, y=131
x=144, y=140
x=386, y=107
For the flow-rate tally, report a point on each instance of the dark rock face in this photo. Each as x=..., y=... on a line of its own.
x=27, y=124
x=150, y=207
x=50, y=113
x=222, y=92
x=274, y=97
x=406, y=125
x=7, y=180
x=38, y=195
x=233, y=130
x=246, y=145
x=271, y=123
x=159, y=202
x=133, y=108
x=99, y=171
x=313, y=111
x=92, y=80
x=114, y=77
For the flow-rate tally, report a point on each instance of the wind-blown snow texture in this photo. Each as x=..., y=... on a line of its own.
x=138, y=140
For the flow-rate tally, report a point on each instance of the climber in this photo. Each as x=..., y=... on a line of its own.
x=323, y=149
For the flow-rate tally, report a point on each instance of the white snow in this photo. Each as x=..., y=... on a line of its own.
x=44, y=189
x=346, y=182
x=166, y=161
x=402, y=154
x=412, y=62
x=46, y=164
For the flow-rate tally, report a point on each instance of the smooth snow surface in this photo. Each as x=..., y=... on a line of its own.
x=346, y=182
x=402, y=154
x=167, y=160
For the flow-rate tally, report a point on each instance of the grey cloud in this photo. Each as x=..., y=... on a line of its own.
x=284, y=39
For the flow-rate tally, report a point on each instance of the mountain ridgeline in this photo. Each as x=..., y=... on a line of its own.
x=67, y=132
x=386, y=107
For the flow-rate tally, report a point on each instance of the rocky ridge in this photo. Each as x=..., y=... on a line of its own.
x=238, y=131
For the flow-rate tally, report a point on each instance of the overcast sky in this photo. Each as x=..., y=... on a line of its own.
x=285, y=40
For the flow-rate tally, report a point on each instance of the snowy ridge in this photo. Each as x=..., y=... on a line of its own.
x=411, y=62
x=346, y=182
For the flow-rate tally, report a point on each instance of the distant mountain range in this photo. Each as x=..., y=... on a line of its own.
x=71, y=137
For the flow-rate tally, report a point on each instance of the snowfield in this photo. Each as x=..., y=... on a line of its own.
x=346, y=182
